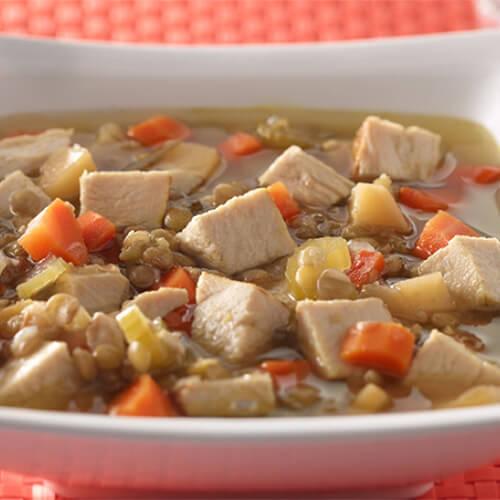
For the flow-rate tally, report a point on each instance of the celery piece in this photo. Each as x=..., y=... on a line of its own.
x=137, y=328
x=43, y=279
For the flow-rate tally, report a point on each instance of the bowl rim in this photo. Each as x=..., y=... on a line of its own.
x=355, y=44
x=341, y=427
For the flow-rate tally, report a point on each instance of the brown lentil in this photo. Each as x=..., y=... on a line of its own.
x=142, y=276
x=159, y=255
x=393, y=265
x=85, y=363
x=26, y=341
x=168, y=235
x=183, y=260
x=62, y=308
x=134, y=245
x=373, y=377
x=35, y=314
x=108, y=357
x=177, y=218
x=104, y=330
x=226, y=191
x=334, y=284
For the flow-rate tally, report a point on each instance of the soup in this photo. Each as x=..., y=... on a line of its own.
x=248, y=262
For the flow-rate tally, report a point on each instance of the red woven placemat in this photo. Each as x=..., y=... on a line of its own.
x=234, y=21
x=244, y=21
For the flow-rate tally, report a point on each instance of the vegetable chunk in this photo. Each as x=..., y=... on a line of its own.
x=306, y=265
x=416, y=198
x=180, y=278
x=126, y=198
x=371, y=399
x=476, y=396
x=97, y=231
x=386, y=347
x=438, y=231
x=158, y=129
x=282, y=370
x=240, y=144
x=162, y=348
x=387, y=214
x=415, y=299
x=482, y=174
x=55, y=231
x=367, y=267
x=60, y=174
x=189, y=164
x=245, y=232
x=382, y=146
x=144, y=398
x=284, y=201
x=42, y=279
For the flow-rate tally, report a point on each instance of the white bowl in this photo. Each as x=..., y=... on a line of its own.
x=452, y=75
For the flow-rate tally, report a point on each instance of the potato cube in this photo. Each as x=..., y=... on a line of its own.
x=189, y=164
x=60, y=174
x=371, y=399
x=373, y=207
x=415, y=298
x=428, y=293
x=476, y=396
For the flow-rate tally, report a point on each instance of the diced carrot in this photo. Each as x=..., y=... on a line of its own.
x=284, y=201
x=487, y=175
x=481, y=174
x=386, y=347
x=437, y=232
x=97, y=231
x=180, y=319
x=282, y=370
x=240, y=144
x=366, y=267
x=158, y=129
x=416, y=198
x=144, y=398
x=55, y=231
x=178, y=277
